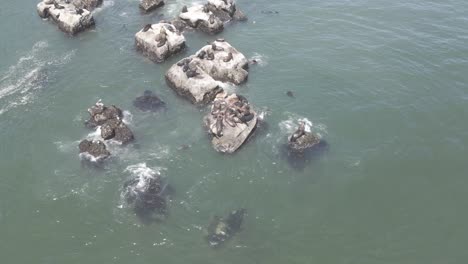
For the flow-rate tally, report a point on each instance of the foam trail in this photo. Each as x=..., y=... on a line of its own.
x=31, y=72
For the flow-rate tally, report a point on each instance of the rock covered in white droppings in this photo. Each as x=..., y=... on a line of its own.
x=159, y=41
x=201, y=76
x=68, y=17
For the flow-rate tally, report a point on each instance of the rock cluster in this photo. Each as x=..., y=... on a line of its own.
x=150, y=5
x=159, y=41
x=210, y=17
x=109, y=118
x=70, y=16
x=230, y=122
x=199, y=77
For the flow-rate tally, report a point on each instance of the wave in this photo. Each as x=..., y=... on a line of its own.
x=31, y=72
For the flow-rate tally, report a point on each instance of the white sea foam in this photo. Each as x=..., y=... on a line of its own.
x=31, y=72
x=290, y=125
x=261, y=60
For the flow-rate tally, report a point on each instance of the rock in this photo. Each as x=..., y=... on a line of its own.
x=239, y=16
x=87, y=4
x=69, y=18
x=149, y=102
x=150, y=5
x=160, y=41
x=100, y=114
x=221, y=229
x=195, y=17
x=226, y=10
x=304, y=142
x=110, y=120
x=108, y=129
x=123, y=134
x=96, y=150
x=230, y=127
x=211, y=72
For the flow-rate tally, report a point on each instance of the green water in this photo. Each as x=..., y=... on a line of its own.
x=384, y=83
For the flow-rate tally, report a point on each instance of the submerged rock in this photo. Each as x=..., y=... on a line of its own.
x=149, y=102
x=147, y=193
x=69, y=17
x=200, y=76
x=93, y=150
x=150, y=5
x=230, y=122
x=159, y=41
x=221, y=229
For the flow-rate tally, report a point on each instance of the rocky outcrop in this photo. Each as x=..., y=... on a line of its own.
x=221, y=229
x=230, y=122
x=93, y=150
x=201, y=18
x=199, y=77
x=150, y=5
x=302, y=140
x=149, y=102
x=159, y=41
x=226, y=10
x=210, y=17
x=109, y=118
x=69, y=18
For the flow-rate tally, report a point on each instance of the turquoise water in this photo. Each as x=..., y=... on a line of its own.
x=384, y=83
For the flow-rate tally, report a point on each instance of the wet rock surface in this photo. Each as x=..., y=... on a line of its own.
x=110, y=120
x=69, y=17
x=149, y=102
x=231, y=121
x=201, y=76
x=150, y=5
x=159, y=41
x=302, y=140
x=222, y=229
x=96, y=149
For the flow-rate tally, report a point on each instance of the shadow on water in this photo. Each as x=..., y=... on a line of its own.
x=300, y=160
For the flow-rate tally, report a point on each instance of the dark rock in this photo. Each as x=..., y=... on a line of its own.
x=123, y=134
x=96, y=149
x=100, y=114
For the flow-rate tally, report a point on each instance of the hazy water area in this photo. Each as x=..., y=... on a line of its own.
x=384, y=83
